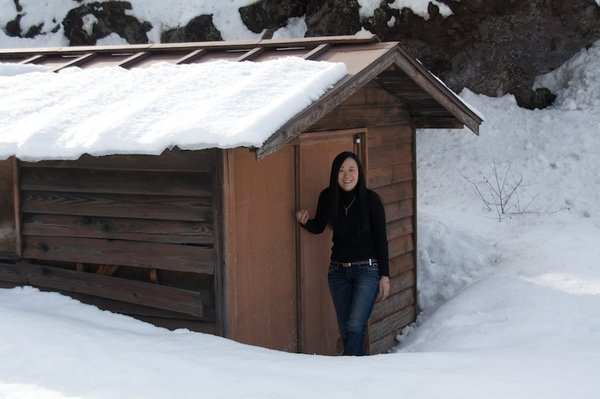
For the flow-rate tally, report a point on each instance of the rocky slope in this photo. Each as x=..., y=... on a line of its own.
x=492, y=47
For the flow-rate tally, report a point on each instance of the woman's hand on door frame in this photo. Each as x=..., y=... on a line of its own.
x=302, y=216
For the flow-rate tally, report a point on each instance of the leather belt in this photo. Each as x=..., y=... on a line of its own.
x=369, y=262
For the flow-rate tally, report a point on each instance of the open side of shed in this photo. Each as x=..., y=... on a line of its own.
x=207, y=239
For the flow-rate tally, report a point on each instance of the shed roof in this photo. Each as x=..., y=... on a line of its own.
x=429, y=102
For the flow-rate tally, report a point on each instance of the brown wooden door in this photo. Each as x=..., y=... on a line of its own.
x=317, y=321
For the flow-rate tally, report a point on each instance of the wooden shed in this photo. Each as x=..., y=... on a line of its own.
x=207, y=239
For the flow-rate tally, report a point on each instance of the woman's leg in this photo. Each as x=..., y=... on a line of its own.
x=340, y=287
x=365, y=287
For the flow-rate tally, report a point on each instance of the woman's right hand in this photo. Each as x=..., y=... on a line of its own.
x=302, y=216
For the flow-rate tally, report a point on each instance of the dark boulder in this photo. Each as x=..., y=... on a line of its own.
x=111, y=17
x=199, y=29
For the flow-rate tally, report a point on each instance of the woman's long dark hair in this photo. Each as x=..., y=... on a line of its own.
x=334, y=192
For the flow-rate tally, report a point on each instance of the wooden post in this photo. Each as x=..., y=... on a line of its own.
x=17, y=207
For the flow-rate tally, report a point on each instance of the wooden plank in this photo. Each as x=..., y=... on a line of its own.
x=436, y=122
x=399, y=228
x=134, y=59
x=170, y=160
x=129, y=291
x=402, y=264
x=390, y=174
x=401, y=245
x=192, y=56
x=350, y=117
x=165, y=231
x=392, y=324
x=392, y=304
x=114, y=205
x=252, y=54
x=384, y=344
x=219, y=247
x=399, y=209
x=140, y=311
x=395, y=192
x=76, y=61
x=17, y=207
x=183, y=258
x=403, y=282
x=390, y=155
x=389, y=135
x=197, y=184
x=317, y=51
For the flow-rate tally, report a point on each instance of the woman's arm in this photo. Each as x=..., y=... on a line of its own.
x=318, y=224
x=378, y=226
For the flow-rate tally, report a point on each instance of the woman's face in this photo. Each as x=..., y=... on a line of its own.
x=348, y=175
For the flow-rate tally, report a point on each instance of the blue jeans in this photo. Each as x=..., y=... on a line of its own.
x=353, y=290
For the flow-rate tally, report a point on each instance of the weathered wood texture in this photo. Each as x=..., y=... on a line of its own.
x=391, y=173
x=7, y=217
x=133, y=229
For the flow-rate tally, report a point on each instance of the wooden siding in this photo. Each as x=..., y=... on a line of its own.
x=391, y=173
x=7, y=217
x=130, y=232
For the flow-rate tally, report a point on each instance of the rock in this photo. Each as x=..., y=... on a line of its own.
x=493, y=47
x=271, y=14
x=199, y=29
x=111, y=17
x=332, y=17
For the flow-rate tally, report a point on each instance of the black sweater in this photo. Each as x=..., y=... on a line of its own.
x=350, y=245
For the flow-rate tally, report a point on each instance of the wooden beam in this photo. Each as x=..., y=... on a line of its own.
x=252, y=54
x=76, y=61
x=34, y=59
x=130, y=291
x=134, y=59
x=184, y=258
x=139, y=206
x=191, y=57
x=317, y=51
x=17, y=207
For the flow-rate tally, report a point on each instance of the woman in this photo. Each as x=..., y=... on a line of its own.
x=359, y=257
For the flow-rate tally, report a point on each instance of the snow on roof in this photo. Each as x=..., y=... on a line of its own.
x=112, y=110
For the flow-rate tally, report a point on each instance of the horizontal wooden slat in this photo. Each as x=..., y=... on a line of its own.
x=392, y=324
x=396, y=192
x=392, y=304
x=183, y=258
x=399, y=228
x=166, y=231
x=198, y=184
x=380, y=157
x=389, y=135
x=401, y=264
x=403, y=282
x=390, y=174
x=399, y=209
x=115, y=205
x=174, y=160
x=136, y=292
x=401, y=245
x=437, y=122
x=140, y=311
x=348, y=117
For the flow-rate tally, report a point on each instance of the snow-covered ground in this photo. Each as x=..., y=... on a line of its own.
x=510, y=302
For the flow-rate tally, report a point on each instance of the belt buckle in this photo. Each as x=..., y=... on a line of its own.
x=346, y=264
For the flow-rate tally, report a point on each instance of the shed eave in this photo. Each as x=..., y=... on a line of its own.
x=351, y=83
